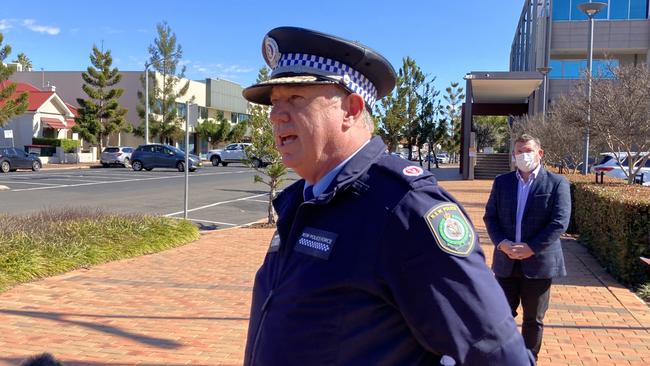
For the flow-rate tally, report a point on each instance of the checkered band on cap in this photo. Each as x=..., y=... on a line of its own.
x=317, y=65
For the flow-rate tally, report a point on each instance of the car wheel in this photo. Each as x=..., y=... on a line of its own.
x=224, y=164
x=180, y=166
x=36, y=166
x=105, y=165
x=257, y=163
x=215, y=160
x=5, y=167
x=127, y=162
x=137, y=166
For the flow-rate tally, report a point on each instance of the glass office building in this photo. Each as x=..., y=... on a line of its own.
x=615, y=10
x=554, y=34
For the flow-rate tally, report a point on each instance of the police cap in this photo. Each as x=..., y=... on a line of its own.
x=303, y=56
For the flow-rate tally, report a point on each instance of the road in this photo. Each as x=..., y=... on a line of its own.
x=220, y=197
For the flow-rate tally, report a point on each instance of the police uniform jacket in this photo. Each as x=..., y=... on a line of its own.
x=357, y=276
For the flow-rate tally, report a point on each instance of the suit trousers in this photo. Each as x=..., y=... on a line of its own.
x=534, y=295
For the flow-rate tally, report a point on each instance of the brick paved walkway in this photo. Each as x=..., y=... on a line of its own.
x=190, y=305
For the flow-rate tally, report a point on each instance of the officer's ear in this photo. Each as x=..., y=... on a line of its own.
x=353, y=105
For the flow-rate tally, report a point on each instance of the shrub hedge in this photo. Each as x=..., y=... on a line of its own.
x=66, y=144
x=613, y=220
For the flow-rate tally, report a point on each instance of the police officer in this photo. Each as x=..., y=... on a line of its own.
x=372, y=263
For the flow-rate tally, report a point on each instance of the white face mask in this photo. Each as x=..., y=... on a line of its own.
x=526, y=162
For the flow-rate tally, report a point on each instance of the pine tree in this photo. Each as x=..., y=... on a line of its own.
x=165, y=56
x=263, y=147
x=454, y=97
x=24, y=61
x=390, y=122
x=410, y=80
x=100, y=115
x=10, y=104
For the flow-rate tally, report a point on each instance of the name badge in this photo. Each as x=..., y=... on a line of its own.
x=275, y=243
x=317, y=243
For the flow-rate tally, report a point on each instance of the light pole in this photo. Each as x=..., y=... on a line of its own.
x=544, y=71
x=590, y=9
x=146, y=93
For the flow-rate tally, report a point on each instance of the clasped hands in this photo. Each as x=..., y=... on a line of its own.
x=515, y=250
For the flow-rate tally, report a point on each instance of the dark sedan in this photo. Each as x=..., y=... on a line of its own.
x=12, y=159
x=162, y=156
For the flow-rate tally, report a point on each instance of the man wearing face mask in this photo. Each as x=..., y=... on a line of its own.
x=526, y=213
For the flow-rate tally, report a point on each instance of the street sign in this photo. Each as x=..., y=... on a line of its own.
x=9, y=134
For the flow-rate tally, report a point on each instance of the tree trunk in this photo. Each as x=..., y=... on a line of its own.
x=101, y=147
x=271, y=216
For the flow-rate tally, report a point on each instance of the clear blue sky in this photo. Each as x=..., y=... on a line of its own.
x=223, y=38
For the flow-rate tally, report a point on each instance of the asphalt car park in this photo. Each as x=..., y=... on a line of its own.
x=219, y=197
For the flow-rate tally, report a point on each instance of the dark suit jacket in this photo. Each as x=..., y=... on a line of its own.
x=546, y=217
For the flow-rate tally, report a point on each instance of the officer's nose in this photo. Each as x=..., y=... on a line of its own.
x=278, y=114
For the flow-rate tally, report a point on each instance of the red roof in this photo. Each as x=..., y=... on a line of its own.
x=53, y=122
x=36, y=97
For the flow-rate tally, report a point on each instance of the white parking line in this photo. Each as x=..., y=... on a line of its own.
x=208, y=221
x=216, y=204
x=262, y=201
x=20, y=182
x=122, y=181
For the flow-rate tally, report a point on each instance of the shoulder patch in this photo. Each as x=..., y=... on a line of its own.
x=451, y=229
x=412, y=171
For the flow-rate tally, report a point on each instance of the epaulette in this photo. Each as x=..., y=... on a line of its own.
x=408, y=172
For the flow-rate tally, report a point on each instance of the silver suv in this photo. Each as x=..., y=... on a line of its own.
x=116, y=155
x=233, y=153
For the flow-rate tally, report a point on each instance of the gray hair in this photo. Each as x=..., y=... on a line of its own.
x=526, y=137
x=368, y=120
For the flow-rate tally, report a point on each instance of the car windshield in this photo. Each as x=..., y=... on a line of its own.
x=176, y=150
x=111, y=149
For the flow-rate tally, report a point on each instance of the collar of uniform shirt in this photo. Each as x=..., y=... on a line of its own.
x=324, y=182
x=532, y=175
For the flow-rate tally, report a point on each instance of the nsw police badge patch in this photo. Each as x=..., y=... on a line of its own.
x=451, y=229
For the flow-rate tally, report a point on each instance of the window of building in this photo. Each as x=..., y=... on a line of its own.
x=619, y=9
x=574, y=69
x=181, y=109
x=616, y=9
x=638, y=9
x=203, y=112
x=561, y=9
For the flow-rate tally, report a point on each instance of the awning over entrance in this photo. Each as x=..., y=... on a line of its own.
x=503, y=87
x=53, y=122
x=493, y=93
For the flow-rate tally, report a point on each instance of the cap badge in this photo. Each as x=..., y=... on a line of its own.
x=271, y=52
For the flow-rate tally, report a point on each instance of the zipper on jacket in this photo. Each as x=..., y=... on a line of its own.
x=259, y=327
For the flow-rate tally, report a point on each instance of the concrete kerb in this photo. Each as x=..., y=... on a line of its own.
x=70, y=166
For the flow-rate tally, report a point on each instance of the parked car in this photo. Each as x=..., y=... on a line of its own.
x=233, y=153
x=152, y=156
x=12, y=159
x=442, y=158
x=116, y=155
x=609, y=165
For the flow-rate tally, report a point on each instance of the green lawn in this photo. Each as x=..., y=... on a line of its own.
x=56, y=241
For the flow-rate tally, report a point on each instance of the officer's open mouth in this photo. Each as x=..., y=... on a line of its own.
x=287, y=139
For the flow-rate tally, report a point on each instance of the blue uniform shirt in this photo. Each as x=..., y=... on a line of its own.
x=383, y=268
